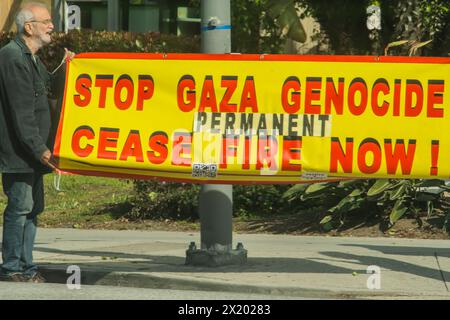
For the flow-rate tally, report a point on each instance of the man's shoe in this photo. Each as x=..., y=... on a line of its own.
x=14, y=277
x=37, y=277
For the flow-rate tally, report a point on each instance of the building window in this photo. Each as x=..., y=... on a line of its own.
x=174, y=17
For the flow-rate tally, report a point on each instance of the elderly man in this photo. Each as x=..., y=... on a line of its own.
x=25, y=154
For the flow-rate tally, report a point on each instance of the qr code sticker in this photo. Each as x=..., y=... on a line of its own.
x=204, y=170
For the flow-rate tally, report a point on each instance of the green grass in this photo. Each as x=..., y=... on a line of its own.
x=82, y=200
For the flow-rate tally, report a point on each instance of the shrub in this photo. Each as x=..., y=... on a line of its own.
x=105, y=41
x=391, y=199
x=163, y=200
x=259, y=200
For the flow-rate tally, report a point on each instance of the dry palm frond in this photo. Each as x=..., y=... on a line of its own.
x=413, y=45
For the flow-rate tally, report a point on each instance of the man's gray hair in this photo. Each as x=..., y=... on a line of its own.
x=25, y=14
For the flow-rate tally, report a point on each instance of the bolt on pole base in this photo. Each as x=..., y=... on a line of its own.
x=215, y=258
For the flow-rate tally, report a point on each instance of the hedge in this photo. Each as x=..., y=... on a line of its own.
x=168, y=200
x=104, y=41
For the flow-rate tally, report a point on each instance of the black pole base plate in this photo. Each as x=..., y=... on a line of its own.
x=212, y=258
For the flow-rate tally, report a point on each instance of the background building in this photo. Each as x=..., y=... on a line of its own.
x=166, y=16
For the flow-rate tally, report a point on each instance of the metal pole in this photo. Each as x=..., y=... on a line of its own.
x=113, y=15
x=216, y=201
x=216, y=26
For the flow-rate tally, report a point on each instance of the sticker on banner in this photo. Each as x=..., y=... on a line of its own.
x=207, y=170
x=314, y=176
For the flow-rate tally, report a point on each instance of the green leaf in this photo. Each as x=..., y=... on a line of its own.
x=152, y=196
x=326, y=219
x=356, y=193
x=316, y=188
x=397, y=43
x=349, y=183
x=398, y=211
x=286, y=15
x=394, y=44
x=296, y=190
x=357, y=204
x=328, y=226
x=343, y=205
x=398, y=192
x=430, y=208
x=380, y=186
x=326, y=223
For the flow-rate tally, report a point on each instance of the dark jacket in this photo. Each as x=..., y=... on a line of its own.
x=24, y=109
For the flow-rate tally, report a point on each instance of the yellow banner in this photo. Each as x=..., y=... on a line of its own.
x=255, y=118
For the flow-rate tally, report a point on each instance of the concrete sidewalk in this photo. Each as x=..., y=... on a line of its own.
x=316, y=267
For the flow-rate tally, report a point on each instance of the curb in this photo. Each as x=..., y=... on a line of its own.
x=146, y=280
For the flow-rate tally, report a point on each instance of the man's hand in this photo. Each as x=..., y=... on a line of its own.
x=46, y=159
x=68, y=54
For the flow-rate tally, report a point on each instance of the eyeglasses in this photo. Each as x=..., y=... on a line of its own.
x=46, y=21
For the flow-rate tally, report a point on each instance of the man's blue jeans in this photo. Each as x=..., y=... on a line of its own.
x=25, y=193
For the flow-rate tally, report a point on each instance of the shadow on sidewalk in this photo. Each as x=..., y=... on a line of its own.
x=403, y=250
x=120, y=261
x=442, y=274
x=106, y=262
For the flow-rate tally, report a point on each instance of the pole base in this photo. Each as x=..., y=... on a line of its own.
x=213, y=258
